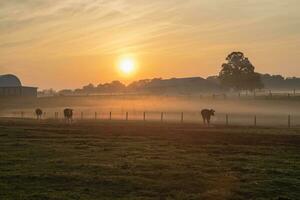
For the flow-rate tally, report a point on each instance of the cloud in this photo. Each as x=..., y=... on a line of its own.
x=45, y=29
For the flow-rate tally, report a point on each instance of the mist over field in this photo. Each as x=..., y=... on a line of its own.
x=240, y=111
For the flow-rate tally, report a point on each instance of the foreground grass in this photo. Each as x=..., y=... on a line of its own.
x=146, y=161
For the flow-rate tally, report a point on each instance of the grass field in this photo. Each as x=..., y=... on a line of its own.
x=134, y=160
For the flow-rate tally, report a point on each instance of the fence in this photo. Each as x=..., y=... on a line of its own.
x=174, y=117
x=292, y=95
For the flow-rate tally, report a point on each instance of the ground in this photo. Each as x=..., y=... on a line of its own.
x=136, y=160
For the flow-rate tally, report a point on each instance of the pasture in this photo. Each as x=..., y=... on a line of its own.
x=266, y=112
x=92, y=160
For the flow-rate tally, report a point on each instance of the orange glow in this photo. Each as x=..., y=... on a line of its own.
x=127, y=66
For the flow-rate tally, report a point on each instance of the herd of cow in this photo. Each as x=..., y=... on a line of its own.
x=68, y=114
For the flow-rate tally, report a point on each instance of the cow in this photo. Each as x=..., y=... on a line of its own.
x=206, y=115
x=68, y=113
x=39, y=113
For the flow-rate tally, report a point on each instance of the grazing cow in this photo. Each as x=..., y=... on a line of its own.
x=39, y=113
x=68, y=113
x=206, y=115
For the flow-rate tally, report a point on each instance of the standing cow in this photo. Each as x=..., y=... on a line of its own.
x=206, y=115
x=68, y=113
x=39, y=113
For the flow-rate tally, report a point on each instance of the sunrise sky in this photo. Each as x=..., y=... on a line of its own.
x=70, y=43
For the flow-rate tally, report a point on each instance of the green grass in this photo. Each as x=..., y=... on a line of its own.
x=118, y=160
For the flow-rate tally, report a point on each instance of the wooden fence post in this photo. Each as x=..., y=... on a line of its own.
x=126, y=116
x=162, y=117
x=110, y=117
x=289, y=121
x=227, y=121
x=294, y=92
x=96, y=115
x=81, y=115
x=255, y=120
x=182, y=117
x=144, y=116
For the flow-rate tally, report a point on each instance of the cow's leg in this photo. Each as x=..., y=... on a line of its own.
x=208, y=120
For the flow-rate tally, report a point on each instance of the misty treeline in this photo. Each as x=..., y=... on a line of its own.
x=236, y=74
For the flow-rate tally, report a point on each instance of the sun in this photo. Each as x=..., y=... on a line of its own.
x=127, y=66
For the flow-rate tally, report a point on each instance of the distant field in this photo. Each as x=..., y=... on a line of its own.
x=118, y=160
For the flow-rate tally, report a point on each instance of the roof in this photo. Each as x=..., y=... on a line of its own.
x=9, y=80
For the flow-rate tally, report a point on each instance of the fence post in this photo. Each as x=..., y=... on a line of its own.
x=162, y=117
x=227, y=122
x=144, y=116
x=126, y=116
x=255, y=120
x=294, y=92
x=96, y=115
x=81, y=115
x=110, y=118
x=182, y=117
x=289, y=121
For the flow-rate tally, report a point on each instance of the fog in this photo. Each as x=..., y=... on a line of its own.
x=240, y=111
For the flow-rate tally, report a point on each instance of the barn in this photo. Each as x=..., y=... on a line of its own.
x=11, y=86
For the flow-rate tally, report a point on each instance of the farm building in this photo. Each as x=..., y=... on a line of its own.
x=10, y=86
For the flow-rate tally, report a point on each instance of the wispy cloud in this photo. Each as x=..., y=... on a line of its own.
x=39, y=29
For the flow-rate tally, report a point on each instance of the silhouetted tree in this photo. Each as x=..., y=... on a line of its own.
x=89, y=88
x=279, y=82
x=238, y=73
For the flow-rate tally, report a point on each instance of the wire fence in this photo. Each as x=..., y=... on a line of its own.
x=165, y=117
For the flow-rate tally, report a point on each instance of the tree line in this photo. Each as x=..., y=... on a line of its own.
x=237, y=73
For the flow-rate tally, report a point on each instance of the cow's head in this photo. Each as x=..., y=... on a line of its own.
x=212, y=112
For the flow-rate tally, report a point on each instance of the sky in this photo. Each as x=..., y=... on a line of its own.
x=70, y=43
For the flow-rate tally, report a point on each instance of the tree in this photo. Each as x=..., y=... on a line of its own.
x=238, y=73
x=88, y=88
